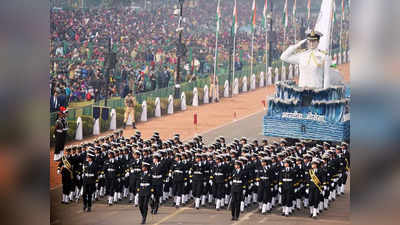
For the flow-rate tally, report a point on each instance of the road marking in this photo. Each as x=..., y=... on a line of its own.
x=229, y=123
x=170, y=216
x=246, y=217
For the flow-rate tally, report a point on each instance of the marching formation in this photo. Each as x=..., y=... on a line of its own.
x=239, y=176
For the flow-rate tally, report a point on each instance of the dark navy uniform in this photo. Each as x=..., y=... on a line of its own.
x=89, y=176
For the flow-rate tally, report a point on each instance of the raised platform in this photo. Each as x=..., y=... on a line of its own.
x=306, y=129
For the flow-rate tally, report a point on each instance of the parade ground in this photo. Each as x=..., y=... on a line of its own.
x=232, y=118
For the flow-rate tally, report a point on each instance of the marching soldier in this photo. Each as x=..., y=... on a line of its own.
x=286, y=178
x=134, y=175
x=196, y=173
x=265, y=185
x=177, y=175
x=67, y=176
x=89, y=177
x=157, y=171
x=314, y=187
x=145, y=190
x=59, y=135
x=110, y=170
x=218, y=180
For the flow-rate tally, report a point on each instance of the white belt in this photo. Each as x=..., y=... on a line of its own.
x=237, y=181
x=264, y=178
x=178, y=171
x=219, y=174
x=59, y=131
x=197, y=172
x=89, y=174
x=111, y=170
x=207, y=171
x=286, y=179
x=144, y=184
x=157, y=176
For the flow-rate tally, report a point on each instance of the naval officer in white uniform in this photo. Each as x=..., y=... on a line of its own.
x=311, y=61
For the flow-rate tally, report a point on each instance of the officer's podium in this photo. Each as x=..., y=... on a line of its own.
x=308, y=113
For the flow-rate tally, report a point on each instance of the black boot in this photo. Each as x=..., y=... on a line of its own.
x=134, y=125
x=124, y=125
x=143, y=220
x=89, y=209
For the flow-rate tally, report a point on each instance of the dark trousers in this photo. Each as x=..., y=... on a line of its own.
x=88, y=190
x=264, y=194
x=235, y=204
x=177, y=188
x=157, y=195
x=314, y=197
x=218, y=190
x=144, y=205
x=287, y=197
x=197, y=188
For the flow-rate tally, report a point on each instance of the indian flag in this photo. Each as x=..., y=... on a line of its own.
x=234, y=20
x=342, y=9
x=308, y=10
x=253, y=18
x=265, y=13
x=285, y=15
x=334, y=13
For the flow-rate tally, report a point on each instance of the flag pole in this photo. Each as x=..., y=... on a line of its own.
x=252, y=51
x=341, y=29
x=234, y=49
x=216, y=54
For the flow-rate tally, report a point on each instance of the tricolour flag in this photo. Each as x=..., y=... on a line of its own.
x=334, y=13
x=342, y=9
x=253, y=18
x=285, y=15
x=234, y=20
x=265, y=11
x=308, y=10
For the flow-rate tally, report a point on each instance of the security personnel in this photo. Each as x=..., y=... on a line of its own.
x=265, y=185
x=237, y=190
x=89, y=176
x=157, y=171
x=286, y=179
x=135, y=165
x=59, y=136
x=130, y=103
x=218, y=179
x=314, y=187
x=145, y=189
x=196, y=173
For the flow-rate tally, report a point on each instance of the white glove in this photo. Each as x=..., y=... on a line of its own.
x=244, y=192
x=226, y=185
x=152, y=196
x=323, y=192
x=58, y=171
x=204, y=183
x=167, y=180
x=300, y=43
x=211, y=183
x=126, y=174
x=272, y=189
x=307, y=191
x=295, y=190
x=119, y=180
x=185, y=184
x=280, y=190
x=257, y=184
x=170, y=175
x=325, y=188
x=230, y=182
x=333, y=184
x=78, y=177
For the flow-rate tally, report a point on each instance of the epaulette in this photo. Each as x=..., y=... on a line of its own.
x=301, y=50
x=323, y=52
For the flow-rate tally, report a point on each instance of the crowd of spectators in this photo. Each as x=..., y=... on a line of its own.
x=145, y=42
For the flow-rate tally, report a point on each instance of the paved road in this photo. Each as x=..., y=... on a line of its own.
x=122, y=213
